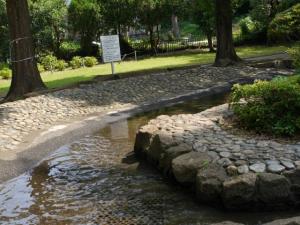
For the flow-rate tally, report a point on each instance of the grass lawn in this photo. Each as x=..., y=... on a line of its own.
x=67, y=77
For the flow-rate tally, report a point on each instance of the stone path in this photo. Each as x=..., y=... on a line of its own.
x=21, y=118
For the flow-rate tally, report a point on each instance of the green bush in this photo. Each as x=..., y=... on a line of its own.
x=295, y=54
x=49, y=62
x=61, y=65
x=5, y=73
x=40, y=68
x=90, y=61
x=76, y=62
x=3, y=65
x=269, y=107
x=69, y=49
x=285, y=26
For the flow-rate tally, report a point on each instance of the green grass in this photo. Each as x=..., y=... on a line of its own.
x=68, y=77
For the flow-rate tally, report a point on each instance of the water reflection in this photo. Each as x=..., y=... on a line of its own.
x=97, y=180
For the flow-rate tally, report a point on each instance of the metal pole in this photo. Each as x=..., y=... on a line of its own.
x=115, y=76
x=112, y=68
x=135, y=55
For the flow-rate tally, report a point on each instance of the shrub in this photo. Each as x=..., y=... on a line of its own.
x=5, y=73
x=90, y=61
x=69, y=49
x=246, y=26
x=285, y=26
x=49, y=62
x=76, y=62
x=61, y=65
x=295, y=54
x=269, y=107
x=40, y=68
x=3, y=66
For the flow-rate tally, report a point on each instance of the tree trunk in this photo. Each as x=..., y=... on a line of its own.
x=25, y=75
x=152, y=40
x=210, y=42
x=175, y=26
x=226, y=54
x=57, y=39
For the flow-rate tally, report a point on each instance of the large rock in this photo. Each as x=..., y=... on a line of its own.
x=294, y=178
x=289, y=221
x=165, y=161
x=227, y=223
x=209, y=183
x=239, y=192
x=143, y=139
x=151, y=143
x=185, y=167
x=273, y=189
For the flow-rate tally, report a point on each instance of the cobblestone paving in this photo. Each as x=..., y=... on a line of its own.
x=21, y=118
x=238, y=154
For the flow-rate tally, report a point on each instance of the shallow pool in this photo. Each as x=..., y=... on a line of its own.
x=98, y=180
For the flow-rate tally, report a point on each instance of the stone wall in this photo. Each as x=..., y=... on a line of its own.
x=223, y=169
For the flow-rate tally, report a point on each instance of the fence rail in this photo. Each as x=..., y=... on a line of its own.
x=171, y=45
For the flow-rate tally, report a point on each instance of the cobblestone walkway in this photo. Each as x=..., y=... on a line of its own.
x=21, y=118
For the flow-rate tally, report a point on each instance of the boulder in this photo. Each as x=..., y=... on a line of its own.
x=227, y=223
x=289, y=221
x=293, y=176
x=209, y=183
x=273, y=189
x=159, y=143
x=165, y=162
x=143, y=139
x=239, y=192
x=185, y=167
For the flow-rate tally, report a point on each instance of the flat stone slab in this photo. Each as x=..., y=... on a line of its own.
x=261, y=174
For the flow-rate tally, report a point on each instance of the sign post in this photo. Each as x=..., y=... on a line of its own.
x=111, y=51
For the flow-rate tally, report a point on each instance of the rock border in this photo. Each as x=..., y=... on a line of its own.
x=219, y=167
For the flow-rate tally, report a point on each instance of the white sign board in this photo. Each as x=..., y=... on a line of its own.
x=111, y=48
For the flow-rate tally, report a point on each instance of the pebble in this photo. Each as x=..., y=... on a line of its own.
x=276, y=168
x=288, y=165
x=232, y=170
x=243, y=169
x=258, y=167
x=224, y=162
x=297, y=163
x=225, y=154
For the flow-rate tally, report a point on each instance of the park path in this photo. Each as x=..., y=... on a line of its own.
x=22, y=118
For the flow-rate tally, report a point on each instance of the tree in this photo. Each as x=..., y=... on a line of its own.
x=4, y=52
x=86, y=20
x=119, y=15
x=25, y=75
x=226, y=54
x=176, y=8
x=205, y=17
x=150, y=14
x=49, y=23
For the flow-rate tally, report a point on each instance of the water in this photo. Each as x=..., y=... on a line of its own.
x=97, y=180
